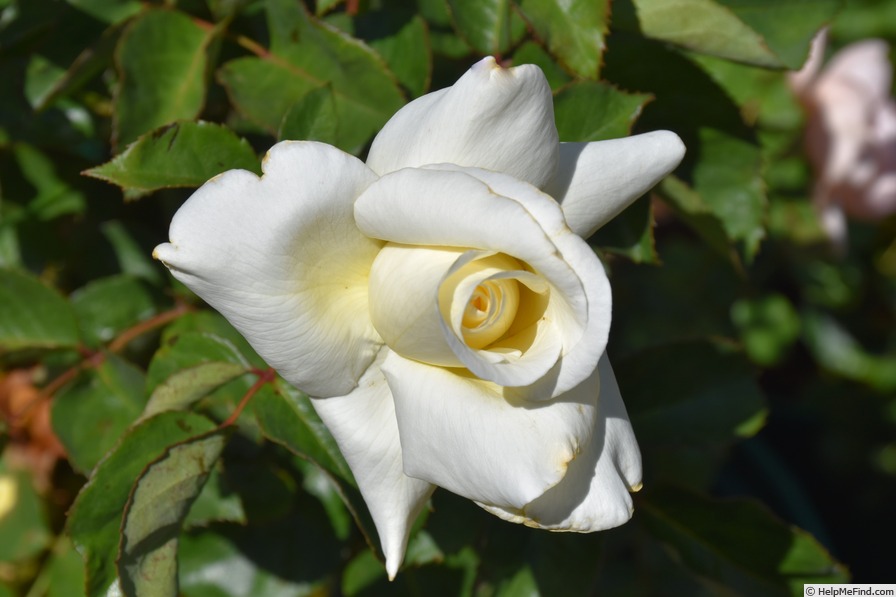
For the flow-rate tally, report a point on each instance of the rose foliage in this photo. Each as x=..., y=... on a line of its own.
x=404, y=241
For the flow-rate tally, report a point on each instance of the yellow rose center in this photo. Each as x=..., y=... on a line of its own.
x=490, y=312
x=488, y=302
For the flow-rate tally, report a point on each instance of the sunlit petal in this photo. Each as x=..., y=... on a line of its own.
x=364, y=426
x=281, y=258
x=596, y=181
x=495, y=118
x=462, y=434
x=594, y=495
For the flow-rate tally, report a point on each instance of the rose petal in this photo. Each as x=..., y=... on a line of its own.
x=404, y=292
x=594, y=495
x=413, y=307
x=843, y=123
x=468, y=207
x=495, y=118
x=281, y=258
x=364, y=426
x=533, y=343
x=801, y=79
x=462, y=434
x=881, y=198
x=596, y=181
x=864, y=65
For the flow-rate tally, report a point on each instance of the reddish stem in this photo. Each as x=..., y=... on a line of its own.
x=264, y=376
x=93, y=359
x=127, y=336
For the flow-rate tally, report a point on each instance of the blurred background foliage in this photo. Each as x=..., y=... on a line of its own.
x=757, y=358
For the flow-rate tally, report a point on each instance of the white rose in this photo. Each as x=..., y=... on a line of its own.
x=439, y=303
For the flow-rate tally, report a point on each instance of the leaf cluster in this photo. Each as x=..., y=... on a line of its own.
x=185, y=466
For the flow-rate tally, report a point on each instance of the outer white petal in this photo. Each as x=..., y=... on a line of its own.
x=495, y=118
x=596, y=181
x=462, y=434
x=486, y=210
x=282, y=259
x=364, y=426
x=594, y=495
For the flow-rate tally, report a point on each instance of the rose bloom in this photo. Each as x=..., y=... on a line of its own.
x=850, y=132
x=439, y=303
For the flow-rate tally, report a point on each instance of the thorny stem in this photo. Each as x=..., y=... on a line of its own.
x=264, y=376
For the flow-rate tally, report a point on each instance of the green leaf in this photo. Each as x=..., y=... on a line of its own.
x=723, y=163
x=489, y=26
x=23, y=531
x=107, y=306
x=716, y=401
x=33, y=316
x=108, y=11
x=325, y=6
x=693, y=210
x=703, y=26
x=733, y=187
x=194, y=366
x=133, y=259
x=63, y=35
x=751, y=553
x=572, y=31
x=265, y=90
x=95, y=518
x=361, y=572
x=216, y=502
x=630, y=234
x=764, y=96
x=63, y=570
x=188, y=385
x=787, y=27
x=53, y=197
x=769, y=326
x=764, y=32
x=162, y=69
x=155, y=513
x=188, y=350
x=312, y=118
x=287, y=418
x=304, y=55
x=521, y=583
x=837, y=350
x=531, y=53
x=287, y=559
x=402, y=39
x=590, y=111
x=319, y=484
x=184, y=154
x=91, y=60
x=90, y=415
x=212, y=322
